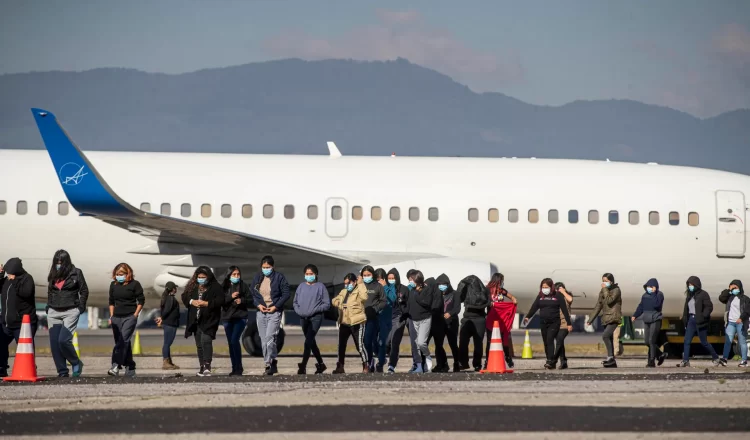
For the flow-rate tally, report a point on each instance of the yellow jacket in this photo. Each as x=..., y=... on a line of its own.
x=353, y=312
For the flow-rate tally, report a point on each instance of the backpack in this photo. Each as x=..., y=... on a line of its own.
x=474, y=294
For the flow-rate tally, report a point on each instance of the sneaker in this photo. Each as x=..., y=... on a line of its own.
x=301, y=368
x=114, y=371
x=320, y=368
x=611, y=363
x=63, y=375
x=660, y=360
x=742, y=364
x=722, y=362
x=130, y=372
x=428, y=364
x=378, y=368
x=683, y=364
x=651, y=364
x=207, y=370
x=456, y=367
x=273, y=369
x=268, y=368
x=339, y=368
x=391, y=370
x=549, y=365
x=201, y=371
x=78, y=369
x=563, y=365
x=417, y=369
x=413, y=367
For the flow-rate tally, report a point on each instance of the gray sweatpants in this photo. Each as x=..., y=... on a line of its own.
x=268, y=329
x=62, y=324
x=422, y=332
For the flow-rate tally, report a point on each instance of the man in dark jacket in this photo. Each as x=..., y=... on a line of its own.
x=17, y=296
x=476, y=298
x=695, y=316
x=446, y=324
x=736, y=320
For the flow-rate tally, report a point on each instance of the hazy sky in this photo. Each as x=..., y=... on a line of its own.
x=687, y=54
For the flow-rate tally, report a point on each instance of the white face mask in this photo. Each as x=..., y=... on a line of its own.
x=546, y=290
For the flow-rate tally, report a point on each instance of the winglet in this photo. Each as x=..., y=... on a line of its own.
x=333, y=149
x=83, y=186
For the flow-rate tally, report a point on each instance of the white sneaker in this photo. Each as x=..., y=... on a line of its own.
x=417, y=369
x=428, y=362
x=114, y=371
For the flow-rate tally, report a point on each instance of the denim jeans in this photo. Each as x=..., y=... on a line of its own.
x=233, y=329
x=690, y=331
x=169, y=334
x=732, y=329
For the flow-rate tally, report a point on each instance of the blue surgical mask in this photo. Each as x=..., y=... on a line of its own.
x=267, y=272
x=650, y=289
x=443, y=287
x=58, y=266
x=120, y=278
x=350, y=287
x=310, y=278
x=412, y=284
x=391, y=281
x=735, y=291
x=234, y=280
x=691, y=288
x=607, y=284
x=367, y=280
x=201, y=281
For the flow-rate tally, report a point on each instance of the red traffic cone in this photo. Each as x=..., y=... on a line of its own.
x=24, y=367
x=496, y=362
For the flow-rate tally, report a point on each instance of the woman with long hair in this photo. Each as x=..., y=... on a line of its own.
x=67, y=293
x=234, y=315
x=310, y=302
x=609, y=305
x=375, y=304
x=203, y=298
x=126, y=301
x=498, y=296
x=169, y=322
x=350, y=303
x=564, y=325
x=549, y=304
x=270, y=292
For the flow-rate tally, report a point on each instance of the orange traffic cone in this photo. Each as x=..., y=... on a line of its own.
x=496, y=362
x=24, y=367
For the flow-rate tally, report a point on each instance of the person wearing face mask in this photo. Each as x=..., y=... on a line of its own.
x=399, y=321
x=476, y=298
x=550, y=305
x=375, y=304
x=564, y=325
x=169, y=320
x=446, y=325
x=310, y=302
x=609, y=305
x=126, y=301
x=736, y=320
x=270, y=292
x=696, y=315
x=380, y=340
x=17, y=298
x=234, y=315
x=350, y=303
x=502, y=309
x=424, y=299
x=649, y=310
x=204, y=299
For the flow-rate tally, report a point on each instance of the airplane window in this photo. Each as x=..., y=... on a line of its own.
x=432, y=214
x=63, y=208
x=533, y=216
x=692, y=218
x=674, y=218
x=513, y=215
x=357, y=213
x=614, y=217
x=205, y=210
x=593, y=217
x=22, y=208
x=226, y=211
x=336, y=212
x=166, y=209
x=553, y=216
x=3, y=207
x=634, y=217
x=493, y=215
x=146, y=207
x=247, y=211
x=185, y=210
x=267, y=211
x=289, y=211
x=312, y=212
x=414, y=214
x=573, y=216
x=42, y=208
x=473, y=215
x=376, y=213
x=653, y=217
x=395, y=213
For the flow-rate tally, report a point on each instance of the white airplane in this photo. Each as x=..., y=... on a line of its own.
x=571, y=220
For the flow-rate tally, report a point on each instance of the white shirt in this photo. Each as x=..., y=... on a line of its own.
x=734, y=309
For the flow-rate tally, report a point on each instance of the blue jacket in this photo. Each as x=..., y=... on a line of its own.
x=651, y=303
x=279, y=290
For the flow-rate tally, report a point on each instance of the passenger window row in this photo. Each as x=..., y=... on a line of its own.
x=42, y=208
x=553, y=216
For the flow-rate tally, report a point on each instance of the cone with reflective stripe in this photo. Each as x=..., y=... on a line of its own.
x=137, y=344
x=24, y=367
x=75, y=344
x=527, y=353
x=496, y=362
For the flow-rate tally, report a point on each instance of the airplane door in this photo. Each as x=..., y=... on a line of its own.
x=730, y=224
x=337, y=217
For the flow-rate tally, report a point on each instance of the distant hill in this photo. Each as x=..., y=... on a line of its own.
x=367, y=108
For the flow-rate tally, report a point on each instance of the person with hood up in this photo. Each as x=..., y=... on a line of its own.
x=350, y=303
x=446, y=325
x=424, y=300
x=399, y=319
x=609, y=305
x=203, y=298
x=380, y=341
x=476, y=298
x=550, y=304
x=311, y=301
x=17, y=296
x=375, y=304
x=500, y=311
x=736, y=319
x=649, y=310
x=696, y=315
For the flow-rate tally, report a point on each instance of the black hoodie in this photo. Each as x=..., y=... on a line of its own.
x=400, y=309
x=703, y=304
x=727, y=298
x=426, y=303
x=475, y=296
x=451, y=300
x=17, y=295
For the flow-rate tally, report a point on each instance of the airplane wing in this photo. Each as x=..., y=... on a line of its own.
x=90, y=195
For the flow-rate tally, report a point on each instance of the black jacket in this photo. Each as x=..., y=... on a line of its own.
x=425, y=303
x=475, y=296
x=703, y=304
x=170, y=312
x=17, y=296
x=74, y=292
x=209, y=318
x=400, y=309
x=727, y=298
x=451, y=300
x=549, y=307
x=279, y=290
x=231, y=310
x=126, y=297
x=376, y=300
